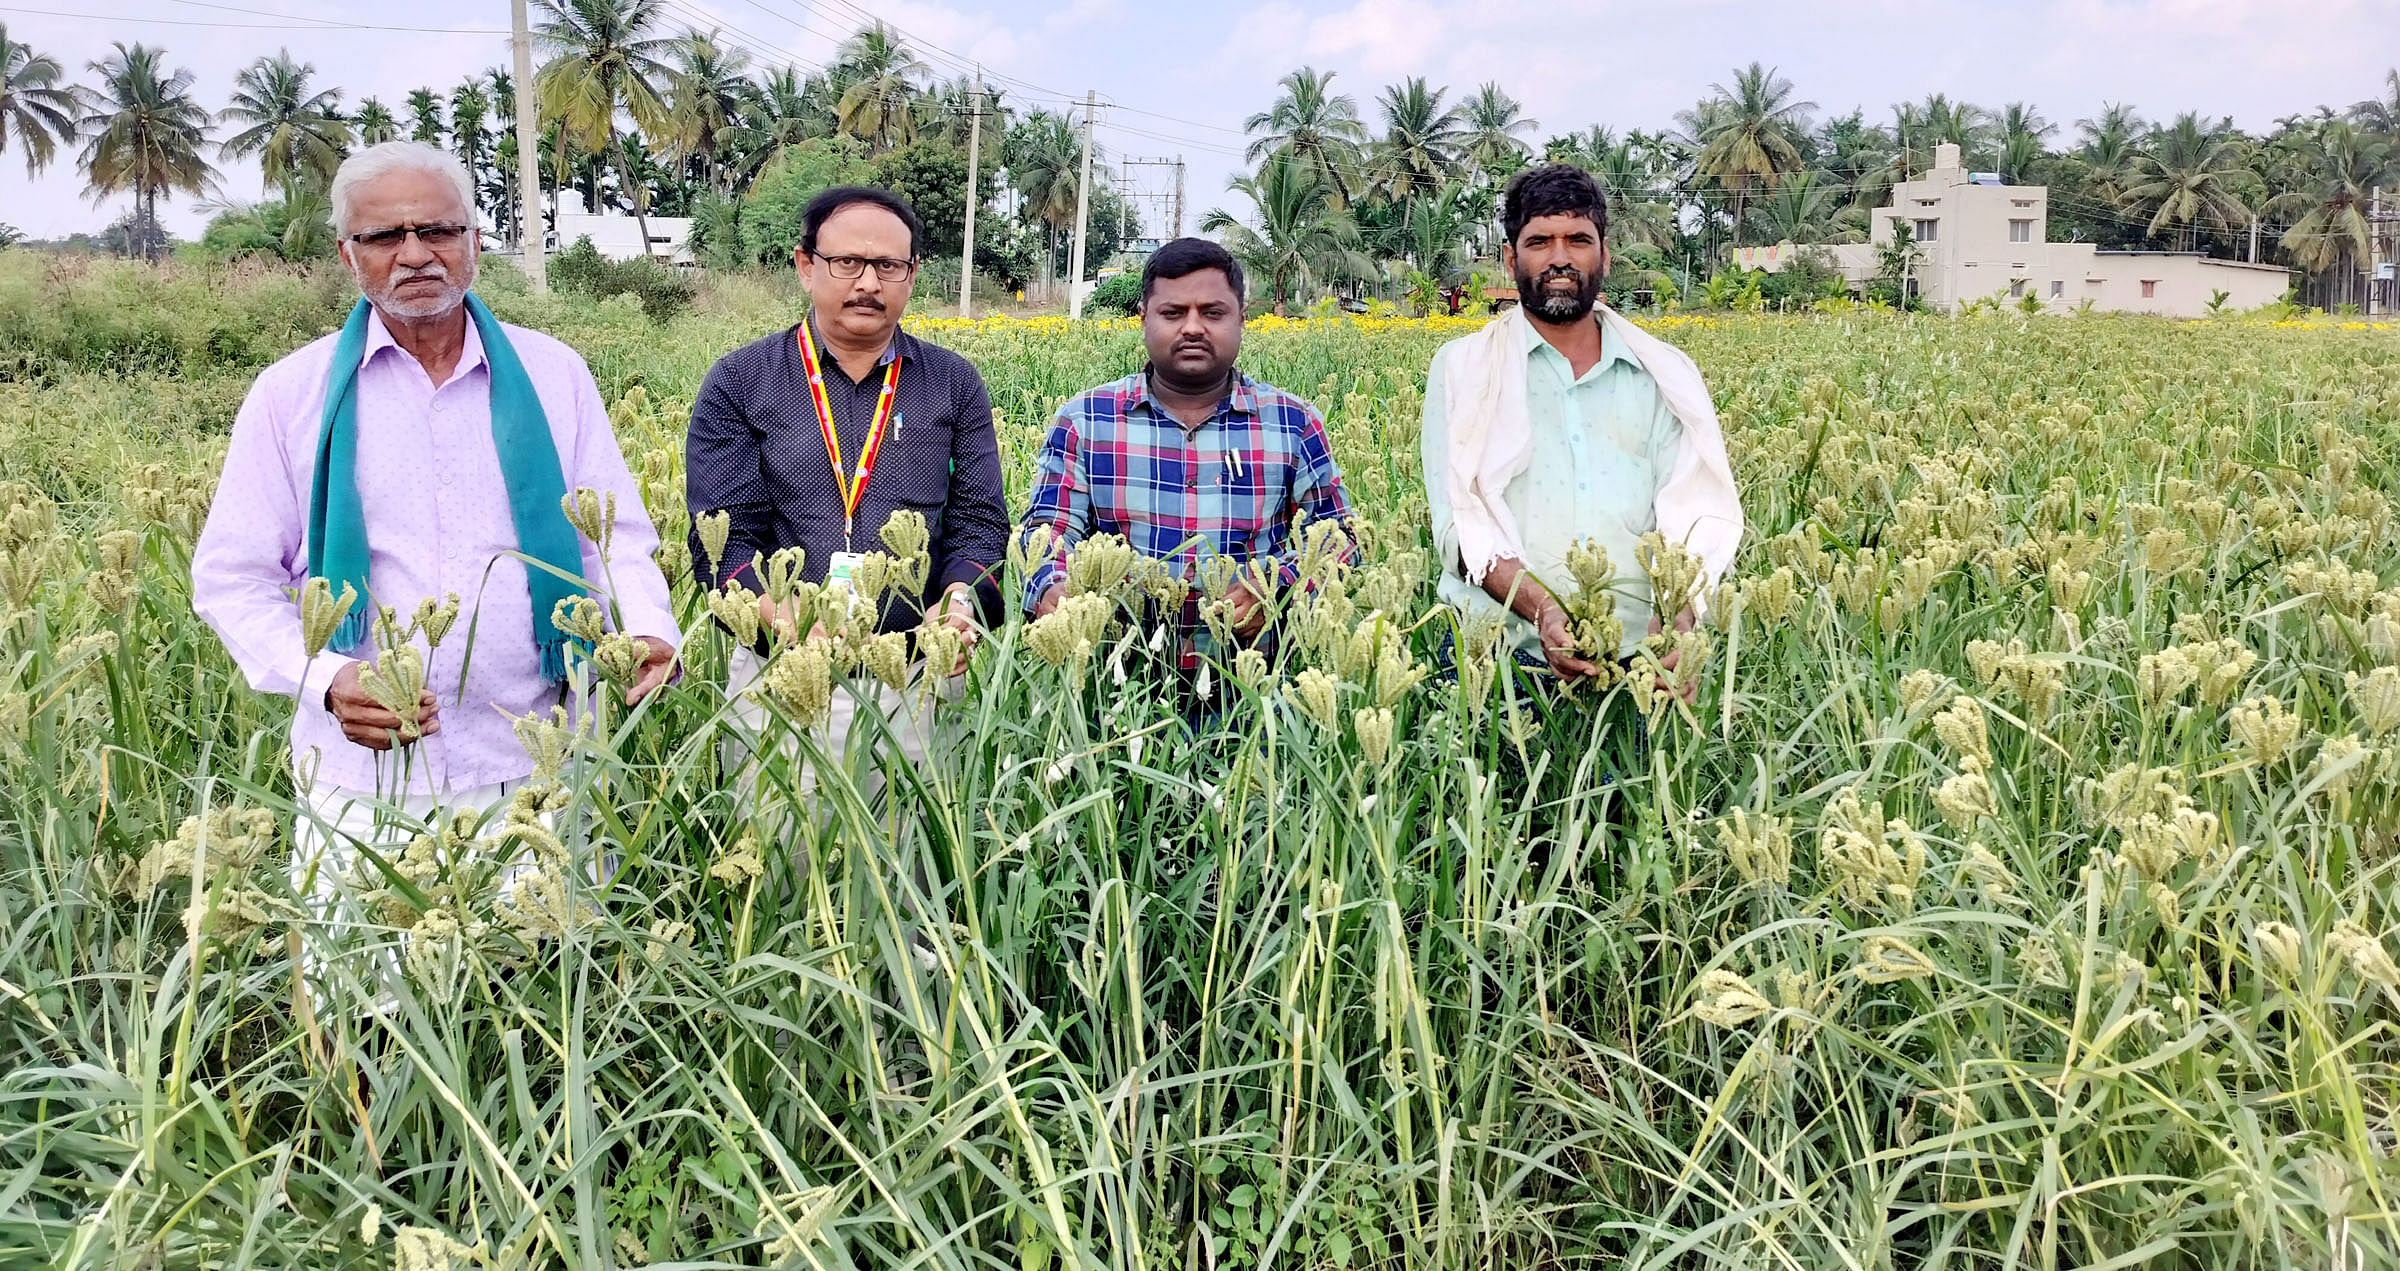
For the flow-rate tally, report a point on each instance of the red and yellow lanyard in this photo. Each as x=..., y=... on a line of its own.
x=853, y=486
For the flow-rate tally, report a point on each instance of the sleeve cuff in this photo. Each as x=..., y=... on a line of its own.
x=1041, y=582
x=316, y=678
x=964, y=573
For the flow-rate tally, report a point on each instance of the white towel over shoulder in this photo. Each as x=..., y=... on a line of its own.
x=1491, y=443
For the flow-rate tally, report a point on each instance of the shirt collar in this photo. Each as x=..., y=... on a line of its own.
x=1531, y=343
x=379, y=338
x=903, y=344
x=1241, y=400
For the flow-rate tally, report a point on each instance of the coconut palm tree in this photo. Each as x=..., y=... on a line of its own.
x=470, y=105
x=604, y=58
x=779, y=109
x=501, y=189
x=1858, y=157
x=1301, y=240
x=882, y=77
x=705, y=96
x=2111, y=145
x=144, y=131
x=298, y=136
x=1316, y=125
x=1641, y=206
x=2191, y=173
x=946, y=110
x=1422, y=139
x=1748, y=135
x=36, y=110
x=1044, y=156
x=2330, y=235
x=1437, y=233
x=1806, y=208
x=2024, y=139
x=1496, y=126
x=374, y=123
x=425, y=117
x=2381, y=115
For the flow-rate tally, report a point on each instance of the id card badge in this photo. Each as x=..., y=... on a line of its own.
x=841, y=570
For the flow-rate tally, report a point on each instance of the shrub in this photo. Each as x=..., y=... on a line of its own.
x=1118, y=296
x=582, y=270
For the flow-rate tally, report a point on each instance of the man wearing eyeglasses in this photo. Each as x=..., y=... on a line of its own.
x=812, y=437
x=419, y=454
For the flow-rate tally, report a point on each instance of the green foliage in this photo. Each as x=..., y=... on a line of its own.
x=770, y=220
x=62, y=315
x=582, y=270
x=932, y=176
x=716, y=235
x=1118, y=295
x=296, y=228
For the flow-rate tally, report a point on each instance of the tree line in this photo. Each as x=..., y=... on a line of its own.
x=1397, y=199
x=1414, y=188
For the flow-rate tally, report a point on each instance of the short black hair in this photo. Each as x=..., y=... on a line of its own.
x=1552, y=189
x=1189, y=256
x=813, y=217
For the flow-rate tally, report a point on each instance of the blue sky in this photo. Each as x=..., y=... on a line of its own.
x=1183, y=77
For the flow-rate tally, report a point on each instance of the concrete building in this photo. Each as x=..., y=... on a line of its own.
x=619, y=237
x=1976, y=238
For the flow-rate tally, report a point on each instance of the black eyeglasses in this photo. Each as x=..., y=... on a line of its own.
x=886, y=267
x=435, y=237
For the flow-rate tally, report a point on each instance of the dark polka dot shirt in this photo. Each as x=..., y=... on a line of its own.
x=756, y=453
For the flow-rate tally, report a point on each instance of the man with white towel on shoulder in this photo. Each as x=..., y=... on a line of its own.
x=1559, y=422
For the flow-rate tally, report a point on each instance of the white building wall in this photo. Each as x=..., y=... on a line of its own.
x=1974, y=255
x=619, y=237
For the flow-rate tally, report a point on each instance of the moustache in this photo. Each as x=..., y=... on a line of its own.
x=866, y=303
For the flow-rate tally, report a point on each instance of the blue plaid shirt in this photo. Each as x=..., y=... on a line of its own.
x=1233, y=486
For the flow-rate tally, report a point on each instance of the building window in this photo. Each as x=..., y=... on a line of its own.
x=1928, y=230
x=2020, y=231
x=2016, y=288
x=2058, y=287
x=2149, y=288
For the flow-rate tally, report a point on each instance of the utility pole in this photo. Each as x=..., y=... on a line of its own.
x=529, y=151
x=1083, y=208
x=966, y=258
x=2253, y=256
x=1168, y=224
x=2374, y=250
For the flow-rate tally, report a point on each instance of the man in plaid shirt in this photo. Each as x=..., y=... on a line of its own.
x=1188, y=458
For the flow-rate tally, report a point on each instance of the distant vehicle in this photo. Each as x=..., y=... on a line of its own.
x=1499, y=298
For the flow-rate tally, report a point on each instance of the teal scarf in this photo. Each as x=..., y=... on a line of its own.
x=337, y=524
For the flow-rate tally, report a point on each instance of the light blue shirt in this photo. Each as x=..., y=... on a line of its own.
x=1602, y=446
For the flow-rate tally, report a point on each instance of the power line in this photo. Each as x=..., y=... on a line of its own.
x=307, y=24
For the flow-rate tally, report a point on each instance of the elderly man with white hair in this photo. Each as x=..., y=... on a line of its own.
x=419, y=453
